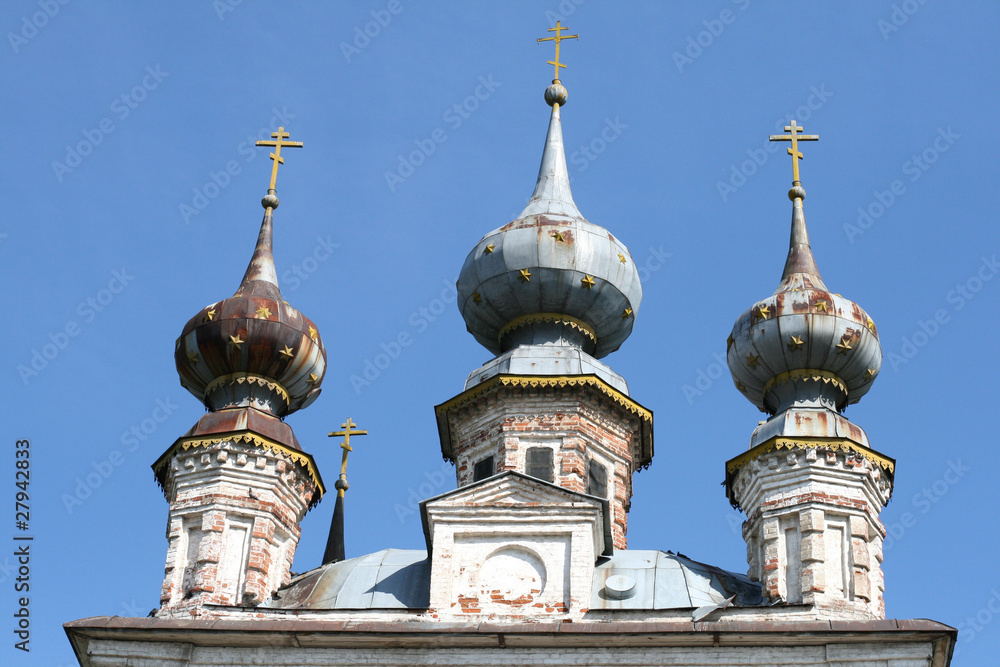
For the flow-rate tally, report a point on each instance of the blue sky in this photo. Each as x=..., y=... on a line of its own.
x=132, y=200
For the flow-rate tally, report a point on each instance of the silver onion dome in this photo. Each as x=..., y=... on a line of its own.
x=803, y=345
x=550, y=276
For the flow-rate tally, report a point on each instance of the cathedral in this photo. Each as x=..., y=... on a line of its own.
x=527, y=561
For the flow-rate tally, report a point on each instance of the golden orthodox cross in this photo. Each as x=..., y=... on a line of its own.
x=278, y=143
x=347, y=432
x=558, y=38
x=794, y=150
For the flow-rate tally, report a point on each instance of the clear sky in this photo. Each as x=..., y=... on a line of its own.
x=132, y=197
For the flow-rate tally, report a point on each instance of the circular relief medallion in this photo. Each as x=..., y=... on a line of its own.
x=512, y=576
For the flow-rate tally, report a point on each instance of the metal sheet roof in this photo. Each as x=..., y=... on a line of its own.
x=400, y=579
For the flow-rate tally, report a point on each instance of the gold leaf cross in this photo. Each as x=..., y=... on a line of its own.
x=558, y=38
x=794, y=150
x=347, y=432
x=278, y=144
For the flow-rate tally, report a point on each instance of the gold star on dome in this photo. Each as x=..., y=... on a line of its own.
x=621, y=258
x=236, y=341
x=209, y=315
x=312, y=332
x=525, y=275
x=795, y=343
x=192, y=358
x=844, y=346
x=288, y=352
x=762, y=312
x=870, y=374
x=626, y=313
x=588, y=281
x=313, y=378
x=263, y=313
x=821, y=307
x=488, y=250
x=476, y=298
x=740, y=386
x=558, y=236
x=729, y=341
x=753, y=360
x=871, y=325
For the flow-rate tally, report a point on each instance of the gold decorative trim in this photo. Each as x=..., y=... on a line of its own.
x=811, y=374
x=301, y=458
x=554, y=318
x=778, y=443
x=240, y=378
x=536, y=381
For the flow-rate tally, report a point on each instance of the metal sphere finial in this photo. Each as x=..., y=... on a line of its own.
x=270, y=201
x=797, y=192
x=556, y=94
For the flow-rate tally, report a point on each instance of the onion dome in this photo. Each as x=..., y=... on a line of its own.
x=550, y=276
x=803, y=345
x=253, y=349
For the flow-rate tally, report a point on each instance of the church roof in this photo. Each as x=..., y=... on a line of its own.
x=400, y=579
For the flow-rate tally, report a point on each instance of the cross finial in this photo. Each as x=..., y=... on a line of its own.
x=347, y=432
x=558, y=38
x=278, y=143
x=794, y=150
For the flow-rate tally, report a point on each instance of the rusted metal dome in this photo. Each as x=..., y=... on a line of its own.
x=252, y=349
x=803, y=344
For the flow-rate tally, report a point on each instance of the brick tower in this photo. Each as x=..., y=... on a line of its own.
x=810, y=484
x=549, y=294
x=238, y=482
